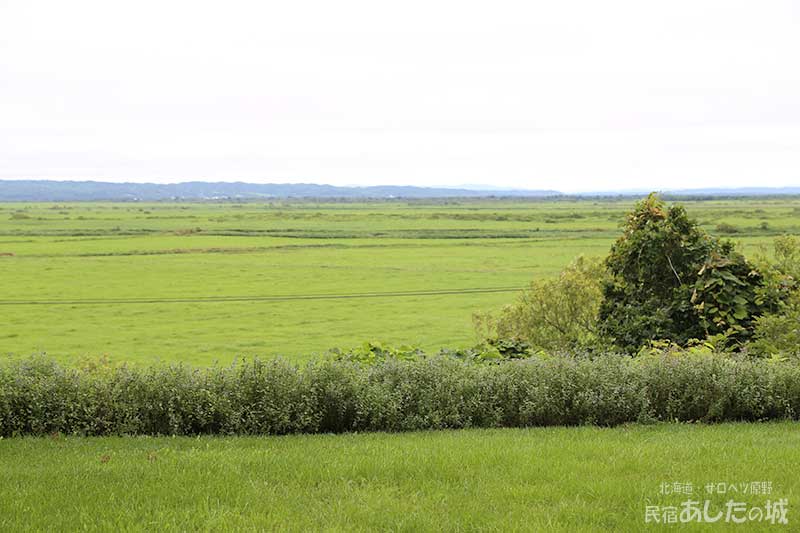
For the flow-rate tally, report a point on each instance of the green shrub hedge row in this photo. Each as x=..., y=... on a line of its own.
x=39, y=396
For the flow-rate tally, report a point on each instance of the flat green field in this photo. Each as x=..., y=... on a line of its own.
x=193, y=282
x=543, y=479
x=210, y=282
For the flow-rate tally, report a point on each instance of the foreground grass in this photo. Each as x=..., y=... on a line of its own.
x=553, y=479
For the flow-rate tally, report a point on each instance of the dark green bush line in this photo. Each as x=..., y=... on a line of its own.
x=39, y=396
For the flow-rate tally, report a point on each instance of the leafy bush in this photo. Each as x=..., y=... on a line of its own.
x=373, y=352
x=727, y=294
x=671, y=280
x=781, y=269
x=778, y=331
x=553, y=314
x=38, y=396
x=724, y=227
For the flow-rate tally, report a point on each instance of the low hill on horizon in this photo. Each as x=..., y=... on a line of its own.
x=51, y=190
x=65, y=191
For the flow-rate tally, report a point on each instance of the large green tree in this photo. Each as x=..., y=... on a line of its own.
x=670, y=280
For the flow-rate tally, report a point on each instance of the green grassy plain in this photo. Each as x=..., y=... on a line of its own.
x=544, y=479
x=116, y=251
x=540, y=479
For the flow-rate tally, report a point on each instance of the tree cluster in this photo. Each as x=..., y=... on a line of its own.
x=664, y=280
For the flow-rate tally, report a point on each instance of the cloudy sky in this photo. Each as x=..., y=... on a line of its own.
x=570, y=95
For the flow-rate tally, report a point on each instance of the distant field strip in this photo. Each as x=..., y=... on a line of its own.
x=276, y=298
x=280, y=247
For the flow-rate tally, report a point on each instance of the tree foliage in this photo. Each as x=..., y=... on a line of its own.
x=666, y=282
x=670, y=280
x=552, y=314
x=778, y=332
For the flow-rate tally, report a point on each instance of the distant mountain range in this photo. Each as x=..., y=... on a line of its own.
x=62, y=191
x=46, y=190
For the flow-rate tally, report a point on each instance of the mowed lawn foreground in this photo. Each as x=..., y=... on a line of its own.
x=540, y=479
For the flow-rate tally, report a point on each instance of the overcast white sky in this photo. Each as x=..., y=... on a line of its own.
x=569, y=95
